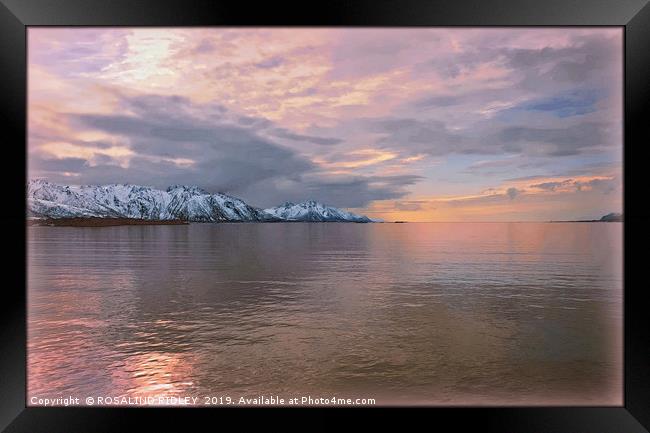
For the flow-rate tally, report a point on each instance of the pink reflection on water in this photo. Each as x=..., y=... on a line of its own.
x=433, y=314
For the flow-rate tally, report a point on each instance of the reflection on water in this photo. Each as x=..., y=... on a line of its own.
x=503, y=313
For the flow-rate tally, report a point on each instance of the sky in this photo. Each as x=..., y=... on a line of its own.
x=413, y=124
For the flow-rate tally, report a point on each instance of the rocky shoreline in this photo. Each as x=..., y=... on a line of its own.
x=99, y=222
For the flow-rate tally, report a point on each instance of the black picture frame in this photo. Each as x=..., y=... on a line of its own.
x=634, y=15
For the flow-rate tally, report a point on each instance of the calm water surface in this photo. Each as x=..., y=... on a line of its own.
x=440, y=313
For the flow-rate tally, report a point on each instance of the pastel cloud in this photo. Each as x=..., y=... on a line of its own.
x=172, y=140
x=529, y=199
x=388, y=121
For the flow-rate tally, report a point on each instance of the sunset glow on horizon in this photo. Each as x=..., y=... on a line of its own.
x=412, y=124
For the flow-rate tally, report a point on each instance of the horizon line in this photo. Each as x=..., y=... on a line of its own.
x=366, y=213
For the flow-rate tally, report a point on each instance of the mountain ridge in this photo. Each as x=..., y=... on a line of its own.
x=313, y=211
x=183, y=202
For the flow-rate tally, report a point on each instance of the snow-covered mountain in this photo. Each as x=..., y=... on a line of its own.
x=189, y=203
x=314, y=211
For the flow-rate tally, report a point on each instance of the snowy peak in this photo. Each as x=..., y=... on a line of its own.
x=185, y=189
x=312, y=210
x=187, y=203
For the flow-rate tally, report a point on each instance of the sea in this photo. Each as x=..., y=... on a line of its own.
x=432, y=314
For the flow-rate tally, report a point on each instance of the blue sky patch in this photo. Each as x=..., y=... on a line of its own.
x=571, y=104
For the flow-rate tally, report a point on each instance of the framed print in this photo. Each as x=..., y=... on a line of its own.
x=422, y=211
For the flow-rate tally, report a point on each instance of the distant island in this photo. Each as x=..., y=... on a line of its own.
x=609, y=218
x=612, y=217
x=119, y=204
